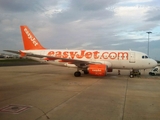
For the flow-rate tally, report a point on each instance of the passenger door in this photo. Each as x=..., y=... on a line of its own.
x=132, y=57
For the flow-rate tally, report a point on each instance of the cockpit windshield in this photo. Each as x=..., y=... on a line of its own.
x=144, y=57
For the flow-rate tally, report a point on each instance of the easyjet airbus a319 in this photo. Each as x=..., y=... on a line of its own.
x=94, y=62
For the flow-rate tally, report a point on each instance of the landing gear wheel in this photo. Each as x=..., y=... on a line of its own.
x=131, y=76
x=77, y=74
x=134, y=73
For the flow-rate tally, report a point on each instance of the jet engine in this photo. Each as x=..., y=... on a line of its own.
x=97, y=69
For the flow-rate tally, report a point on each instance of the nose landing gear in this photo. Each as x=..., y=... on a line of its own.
x=134, y=73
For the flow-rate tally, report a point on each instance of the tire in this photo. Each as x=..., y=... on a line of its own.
x=131, y=76
x=77, y=74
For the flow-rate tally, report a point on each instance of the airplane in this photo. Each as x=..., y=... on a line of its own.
x=94, y=62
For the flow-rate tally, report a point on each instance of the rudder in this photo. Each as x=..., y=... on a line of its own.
x=30, y=42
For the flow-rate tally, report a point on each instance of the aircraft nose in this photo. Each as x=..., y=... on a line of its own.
x=153, y=63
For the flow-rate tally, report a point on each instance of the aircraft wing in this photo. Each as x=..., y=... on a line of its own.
x=11, y=51
x=73, y=61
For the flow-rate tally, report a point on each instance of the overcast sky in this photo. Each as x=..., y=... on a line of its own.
x=83, y=24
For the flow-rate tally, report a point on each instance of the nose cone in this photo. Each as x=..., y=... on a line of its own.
x=153, y=63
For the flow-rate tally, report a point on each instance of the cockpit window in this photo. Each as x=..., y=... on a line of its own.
x=144, y=57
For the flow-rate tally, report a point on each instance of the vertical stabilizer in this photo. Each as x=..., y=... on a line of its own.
x=29, y=40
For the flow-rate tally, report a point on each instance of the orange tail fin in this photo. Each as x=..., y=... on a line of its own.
x=29, y=40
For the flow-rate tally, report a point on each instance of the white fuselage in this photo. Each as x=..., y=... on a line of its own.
x=116, y=59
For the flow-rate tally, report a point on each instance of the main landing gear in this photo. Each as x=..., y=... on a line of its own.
x=134, y=73
x=85, y=71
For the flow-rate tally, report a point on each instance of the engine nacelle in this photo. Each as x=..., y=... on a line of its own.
x=97, y=69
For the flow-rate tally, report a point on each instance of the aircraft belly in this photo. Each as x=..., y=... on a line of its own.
x=124, y=65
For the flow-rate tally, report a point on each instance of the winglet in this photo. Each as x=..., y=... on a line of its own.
x=29, y=40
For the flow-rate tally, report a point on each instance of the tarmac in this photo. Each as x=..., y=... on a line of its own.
x=42, y=92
